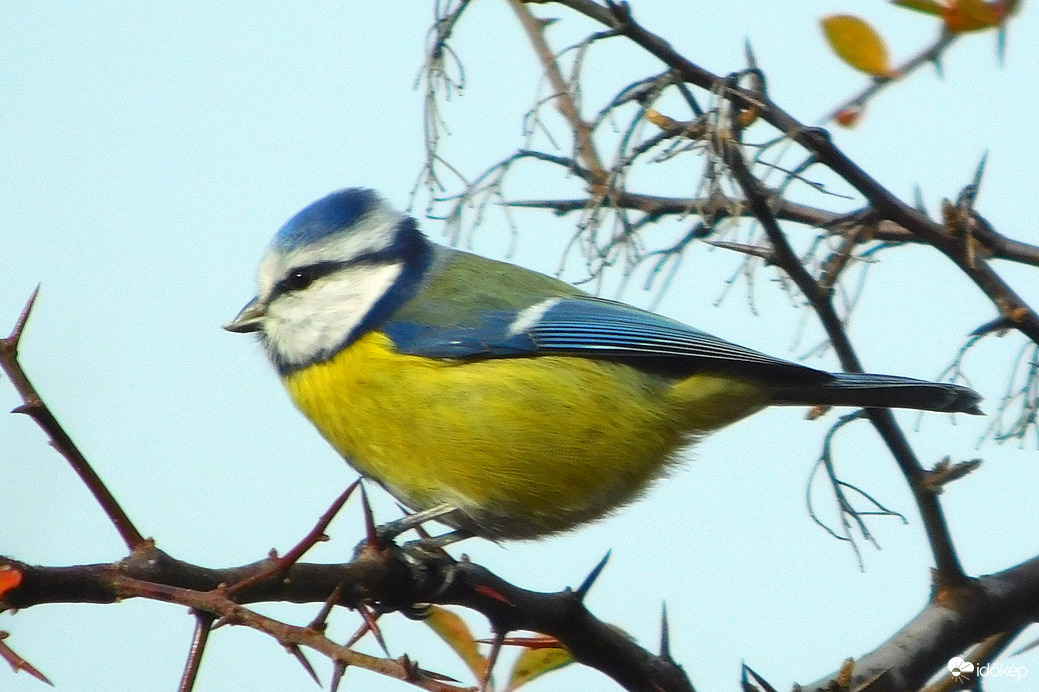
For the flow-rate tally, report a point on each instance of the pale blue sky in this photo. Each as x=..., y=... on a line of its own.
x=150, y=152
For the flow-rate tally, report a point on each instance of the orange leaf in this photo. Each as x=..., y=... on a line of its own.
x=9, y=578
x=453, y=630
x=857, y=44
x=848, y=117
x=970, y=15
x=533, y=663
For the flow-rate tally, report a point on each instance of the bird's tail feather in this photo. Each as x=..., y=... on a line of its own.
x=881, y=391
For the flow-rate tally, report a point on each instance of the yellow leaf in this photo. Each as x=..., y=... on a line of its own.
x=453, y=630
x=660, y=120
x=534, y=663
x=857, y=44
x=926, y=6
x=970, y=15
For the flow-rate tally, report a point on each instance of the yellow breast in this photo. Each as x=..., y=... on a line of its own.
x=522, y=446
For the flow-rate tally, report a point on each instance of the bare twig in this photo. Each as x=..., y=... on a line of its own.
x=34, y=407
x=949, y=572
x=203, y=626
x=618, y=17
x=583, y=142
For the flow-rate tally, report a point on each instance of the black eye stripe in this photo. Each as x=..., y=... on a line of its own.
x=302, y=277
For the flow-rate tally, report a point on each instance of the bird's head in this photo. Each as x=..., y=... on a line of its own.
x=334, y=271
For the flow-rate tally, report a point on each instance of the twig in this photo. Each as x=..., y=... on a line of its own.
x=34, y=407
x=584, y=143
x=930, y=55
x=996, y=245
x=617, y=16
x=949, y=572
x=203, y=626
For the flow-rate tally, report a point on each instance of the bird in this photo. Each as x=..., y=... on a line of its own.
x=502, y=402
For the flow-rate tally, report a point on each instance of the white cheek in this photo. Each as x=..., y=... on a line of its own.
x=313, y=323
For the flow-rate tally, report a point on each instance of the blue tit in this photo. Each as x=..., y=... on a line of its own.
x=507, y=403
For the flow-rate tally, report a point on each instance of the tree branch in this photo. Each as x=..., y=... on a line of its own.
x=391, y=579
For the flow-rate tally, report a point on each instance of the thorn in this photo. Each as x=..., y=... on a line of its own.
x=370, y=531
x=764, y=253
x=765, y=686
x=371, y=619
x=417, y=674
x=338, y=671
x=337, y=505
x=752, y=62
x=320, y=621
x=18, y=663
x=356, y=637
x=665, y=633
x=439, y=677
x=222, y=621
x=492, y=658
x=411, y=669
x=582, y=590
x=918, y=200
x=298, y=653
x=981, y=169
x=19, y=326
x=203, y=627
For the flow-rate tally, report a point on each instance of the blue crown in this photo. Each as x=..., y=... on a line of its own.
x=328, y=215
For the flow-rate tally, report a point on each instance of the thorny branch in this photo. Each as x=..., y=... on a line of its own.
x=34, y=407
x=389, y=580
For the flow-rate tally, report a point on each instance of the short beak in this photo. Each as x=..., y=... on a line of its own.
x=250, y=319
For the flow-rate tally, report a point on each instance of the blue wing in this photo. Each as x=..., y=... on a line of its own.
x=592, y=328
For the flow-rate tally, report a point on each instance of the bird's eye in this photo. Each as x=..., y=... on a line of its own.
x=298, y=279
